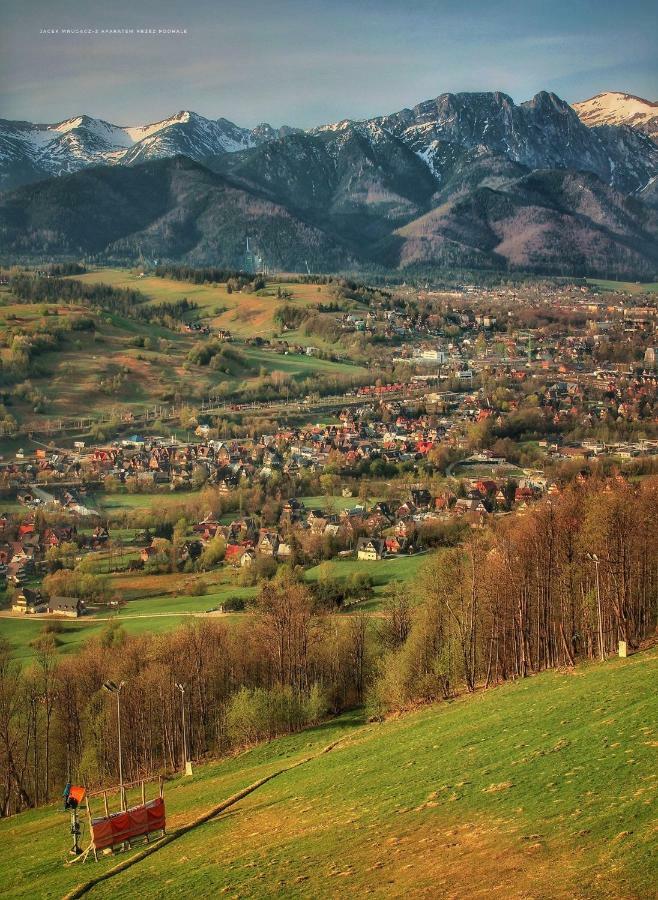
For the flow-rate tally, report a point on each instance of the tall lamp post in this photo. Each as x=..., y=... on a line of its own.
x=594, y=558
x=113, y=688
x=187, y=766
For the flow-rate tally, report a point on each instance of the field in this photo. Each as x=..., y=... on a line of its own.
x=110, y=503
x=626, y=287
x=243, y=314
x=543, y=788
x=338, y=503
x=157, y=603
x=105, y=371
x=21, y=631
x=385, y=573
x=473, y=471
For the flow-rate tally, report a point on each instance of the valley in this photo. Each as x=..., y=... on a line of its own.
x=328, y=450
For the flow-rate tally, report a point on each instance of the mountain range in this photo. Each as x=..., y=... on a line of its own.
x=469, y=179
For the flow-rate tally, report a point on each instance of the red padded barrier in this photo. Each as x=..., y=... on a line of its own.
x=156, y=814
x=102, y=833
x=120, y=827
x=139, y=820
x=135, y=822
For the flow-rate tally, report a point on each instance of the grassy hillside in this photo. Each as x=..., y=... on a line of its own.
x=118, y=365
x=245, y=315
x=627, y=287
x=544, y=788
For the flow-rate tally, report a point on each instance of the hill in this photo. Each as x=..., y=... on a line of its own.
x=545, y=787
x=495, y=215
x=548, y=221
x=172, y=208
x=98, y=360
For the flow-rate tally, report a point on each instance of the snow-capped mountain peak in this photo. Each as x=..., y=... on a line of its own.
x=29, y=152
x=617, y=108
x=544, y=132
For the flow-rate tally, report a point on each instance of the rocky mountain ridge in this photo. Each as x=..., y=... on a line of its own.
x=462, y=180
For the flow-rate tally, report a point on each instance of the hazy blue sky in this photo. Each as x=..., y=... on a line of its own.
x=305, y=62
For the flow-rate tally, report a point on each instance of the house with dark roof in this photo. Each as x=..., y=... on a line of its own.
x=66, y=606
x=29, y=602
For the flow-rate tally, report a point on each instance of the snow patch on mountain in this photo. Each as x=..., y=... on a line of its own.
x=34, y=151
x=609, y=135
x=616, y=108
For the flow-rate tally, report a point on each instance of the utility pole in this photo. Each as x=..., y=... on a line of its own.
x=597, y=562
x=114, y=688
x=187, y=765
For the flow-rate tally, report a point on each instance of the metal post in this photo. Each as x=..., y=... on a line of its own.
x=123, y=805
x=598, y=607
x=187, y=768
x=114, y=688
x=75, y=833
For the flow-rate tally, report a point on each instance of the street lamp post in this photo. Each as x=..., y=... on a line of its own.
x=187, y=768
x=113, y=688
x=597, y=562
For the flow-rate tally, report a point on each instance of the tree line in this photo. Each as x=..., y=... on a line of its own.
x=562, y=582
x=202, y=275
x=565, y=581
x=124, y=301
x=286, y=665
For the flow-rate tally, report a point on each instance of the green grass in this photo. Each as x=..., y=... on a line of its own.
x=337, y=503
x=384, y=573
x=112, y=502
x=20, y=632
x=298, y=365
x=542, y=788
x=139, y=616
x=473, y=471
x=184, y=603
x=627, y=287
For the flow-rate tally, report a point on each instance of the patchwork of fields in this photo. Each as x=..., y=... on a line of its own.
x=129, y=365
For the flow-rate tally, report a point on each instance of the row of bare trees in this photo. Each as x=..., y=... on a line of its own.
x=567, y=580
x=564, y=581
x=283, y=667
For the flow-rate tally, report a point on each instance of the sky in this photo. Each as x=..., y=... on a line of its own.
x=305, y=62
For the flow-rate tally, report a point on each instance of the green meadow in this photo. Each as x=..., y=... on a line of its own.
x=21, y=632
x=382, y=572
x=542, y=788
x=244, y=314
x=626, y=287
